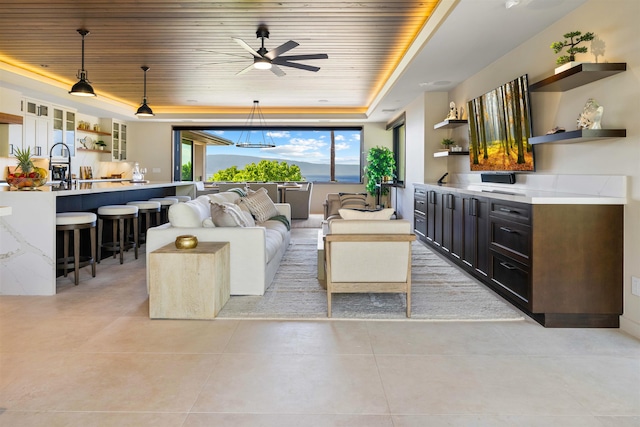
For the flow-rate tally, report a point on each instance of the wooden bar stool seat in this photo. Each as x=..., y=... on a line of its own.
x=181, y=199
x=165, y=204
x=120, y=216
x=145, y=211
x=76, y=221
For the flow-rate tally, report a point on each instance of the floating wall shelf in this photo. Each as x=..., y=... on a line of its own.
x=94, y=131
x=450, y=153
x=579, y=75
x=450, y=124
x=581, y=135
x=94, y=151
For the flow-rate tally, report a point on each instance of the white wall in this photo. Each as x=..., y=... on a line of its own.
x=615, y=23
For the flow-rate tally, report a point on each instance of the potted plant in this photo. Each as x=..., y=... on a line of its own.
x=380, y=165
x=101, y=144
x=447, y=143
x=573, y=39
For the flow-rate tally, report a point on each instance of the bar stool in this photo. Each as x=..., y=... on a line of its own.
x=145, y=209
x=76, y=221
x=181, y=199
x=119, y=215
x=165, y=203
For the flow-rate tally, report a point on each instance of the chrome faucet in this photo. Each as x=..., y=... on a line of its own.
x=66, y=182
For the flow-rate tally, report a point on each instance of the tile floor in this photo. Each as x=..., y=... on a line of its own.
x=90, y=356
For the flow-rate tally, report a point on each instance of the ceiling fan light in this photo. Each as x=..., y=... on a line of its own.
x=261, y=64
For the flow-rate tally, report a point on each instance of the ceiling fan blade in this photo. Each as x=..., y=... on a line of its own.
x=299, y=66
x=245, y=46
x=285, y=47
x=244, y=70
x=222, y=53
x=277, y=71
x=304, y=57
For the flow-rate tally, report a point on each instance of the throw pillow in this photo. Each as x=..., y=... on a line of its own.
x=382, y=214
x=353, y=201
x=227, y=215
x=260, y=205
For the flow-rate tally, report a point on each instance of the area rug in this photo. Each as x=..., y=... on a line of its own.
x=440, y=292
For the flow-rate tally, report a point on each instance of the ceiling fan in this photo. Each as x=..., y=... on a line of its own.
x=271, y=60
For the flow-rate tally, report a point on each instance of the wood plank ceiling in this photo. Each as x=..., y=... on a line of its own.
x=193, y=60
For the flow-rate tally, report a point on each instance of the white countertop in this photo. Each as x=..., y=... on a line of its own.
x=534, y=197
x=97, y=186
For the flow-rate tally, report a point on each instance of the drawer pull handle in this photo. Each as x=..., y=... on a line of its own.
x=507, y=266
x=507, y=210
x=508, y=230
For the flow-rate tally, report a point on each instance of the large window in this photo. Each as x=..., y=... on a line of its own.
x=399, y=148
x=322, y=154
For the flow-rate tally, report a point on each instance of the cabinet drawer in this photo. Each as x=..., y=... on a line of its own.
x=512, y=276
x=519, y=212
x=512, y=237
x=420, y=223
x=420, y=203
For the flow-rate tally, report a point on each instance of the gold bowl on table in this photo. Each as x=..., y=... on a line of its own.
x=186, y=241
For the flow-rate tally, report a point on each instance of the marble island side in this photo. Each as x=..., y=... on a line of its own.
x=28, y=236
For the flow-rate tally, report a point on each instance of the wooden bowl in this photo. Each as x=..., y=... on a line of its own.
x=186, y=241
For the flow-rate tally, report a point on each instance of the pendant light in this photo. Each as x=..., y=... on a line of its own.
x=82, y=88
x=144, y=110
x=255, y=122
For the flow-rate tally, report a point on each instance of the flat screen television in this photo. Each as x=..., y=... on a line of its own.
x=500, y=128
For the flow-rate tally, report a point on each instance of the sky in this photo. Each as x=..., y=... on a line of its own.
x=312, y=146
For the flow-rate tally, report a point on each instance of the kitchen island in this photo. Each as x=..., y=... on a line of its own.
x=28, y=236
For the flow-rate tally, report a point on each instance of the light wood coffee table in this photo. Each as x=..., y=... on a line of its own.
x=188, y=283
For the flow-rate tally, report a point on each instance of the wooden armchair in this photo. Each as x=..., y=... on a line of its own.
x=368, y=256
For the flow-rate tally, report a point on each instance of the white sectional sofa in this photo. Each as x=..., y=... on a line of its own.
x=256, y=251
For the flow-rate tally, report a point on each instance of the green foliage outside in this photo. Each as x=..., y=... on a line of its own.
x=187, y=172
x=380, y=164
x=265, y=170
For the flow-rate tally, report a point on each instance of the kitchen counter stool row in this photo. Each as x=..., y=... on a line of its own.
x=128, y=224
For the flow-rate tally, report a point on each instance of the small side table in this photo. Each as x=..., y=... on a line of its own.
x=189, y=283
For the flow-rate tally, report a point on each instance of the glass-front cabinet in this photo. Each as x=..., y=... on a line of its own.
x=118, y=138
x=37, y=127
x=64, y=130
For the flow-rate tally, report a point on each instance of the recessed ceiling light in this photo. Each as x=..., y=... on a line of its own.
x=192, y=101
x=323, y=100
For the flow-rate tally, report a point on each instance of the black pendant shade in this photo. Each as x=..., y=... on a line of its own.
x=144, y=110
x=82, y=88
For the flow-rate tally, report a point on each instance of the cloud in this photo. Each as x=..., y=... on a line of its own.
x=280, y=134
x=342, y=146
x=301, y=148
x=339, y=137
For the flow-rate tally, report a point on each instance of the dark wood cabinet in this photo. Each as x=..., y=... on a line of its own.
x=475, y=211
x=560, y=264
x=420, y=213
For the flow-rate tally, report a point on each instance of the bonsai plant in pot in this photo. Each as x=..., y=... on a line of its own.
x=380, y=167
x=447, y=143
x=100, y=145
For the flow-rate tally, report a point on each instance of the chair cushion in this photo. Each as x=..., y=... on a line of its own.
x=353, y=200
x=382, y=214
x=260, y=204
x=227, y=215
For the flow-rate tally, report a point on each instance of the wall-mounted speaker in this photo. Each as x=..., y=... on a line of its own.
x=500, y=178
